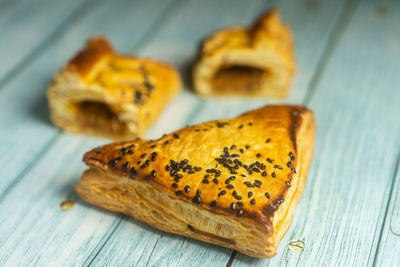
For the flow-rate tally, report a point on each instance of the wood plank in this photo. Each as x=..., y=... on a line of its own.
x=173, y=249
x=388, y=247
x=26, y=130
x=15, y=207
x=27, y=29
x=340, y=215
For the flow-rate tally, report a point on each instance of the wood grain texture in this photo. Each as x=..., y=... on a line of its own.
x=26, y=28
x=348, y=66
x=26, y=130
x=340, y=215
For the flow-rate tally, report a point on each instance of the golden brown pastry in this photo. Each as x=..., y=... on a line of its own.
x=232, y=182
x=256, y=61
x=103, y=93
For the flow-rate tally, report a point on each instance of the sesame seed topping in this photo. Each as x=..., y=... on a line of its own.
x=126, y=165
x=240, y=204
x=268, y=140
x=168, y=141
x=250, y=194
x=267, y=195
x=176, y=136
x=239, y=212
x=233, y=147
x=269, y=160
x=196, y=200
x=250, y=123
x=98, y=152
x=253, y=201
x=131, y=146
x=133, y=172
x=258, y=155
x=278, y=167
x=213, y=203
x=293, y=170
x=289, y=164
x=273, y=175
x=215, y=180
x=174, y=185
x=264, y=173
x=223, y=192
x=205, y=181
x=233, y=206
x=187, y=189
x=229, y=186
x=240, y=126
x=143, y=155
x=241, y=150
x=178, y=193
x=247, y=146
x=288, y=184
x=190, y=227
x=291, y=156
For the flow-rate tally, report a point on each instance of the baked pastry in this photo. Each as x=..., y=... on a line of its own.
x=256, y=61
x=232, y=182
x=115, y=96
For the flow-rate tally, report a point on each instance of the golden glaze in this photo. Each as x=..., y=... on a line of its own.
x=256, y=61
x=269, y=135
x=134, y=90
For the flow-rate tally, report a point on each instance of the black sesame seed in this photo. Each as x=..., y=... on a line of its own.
x=250, y=123
x=197, y=169
x=240, y=204
x=178, y=193
x=167, y=168
x=264, y=173
x=143, y=155
x=130, y=152
x=269, y=160
x=190, y=227
x=273, y=175
x=280, y=201
x=239, y=212
x=253, y=201
x=229, y=186
x=175, y=136
x=223, y=192
x=227, y=181
x=267, y=195
x=133, y=172
x=196, y=200
x=268, y=140
x=215, y=180
x=288, y=184
x=247, y=146
x=131, y=146
x=233, y=147
x=289, y=164
x=226, y=150
x=126, y=165
x=241, y=150
x=278, y=167
x=168, y=141
x=205, y=181
x=233, y=206
x=174, y=185
x=152, y=146
x=240, y=126
x=291, y=156
x=147, y=177
x=176, y=179
x=198, y=192
x=293, y=170
x=98, y=152
x=250, y=194
x=187, y=189
x=213, y=203
x=124, y=151
x=258, y=155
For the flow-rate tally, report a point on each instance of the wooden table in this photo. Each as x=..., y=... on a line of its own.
x=348, y=55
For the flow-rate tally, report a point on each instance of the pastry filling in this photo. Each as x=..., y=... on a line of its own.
x=238, y=79
x=98, y=116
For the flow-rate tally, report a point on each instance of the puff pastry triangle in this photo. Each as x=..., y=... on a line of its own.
x=232, y=182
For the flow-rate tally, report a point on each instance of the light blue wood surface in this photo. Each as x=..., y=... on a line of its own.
x=348, y=55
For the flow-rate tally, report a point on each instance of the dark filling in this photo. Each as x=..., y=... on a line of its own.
x=238, y=79
x=99, y=117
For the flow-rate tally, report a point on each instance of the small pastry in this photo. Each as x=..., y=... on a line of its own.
x=103, y=93
x=232, y=182
x=256, y=61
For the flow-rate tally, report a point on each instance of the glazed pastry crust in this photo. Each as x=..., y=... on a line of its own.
x=103, y=93
x=239, y=61
x=158, y=187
